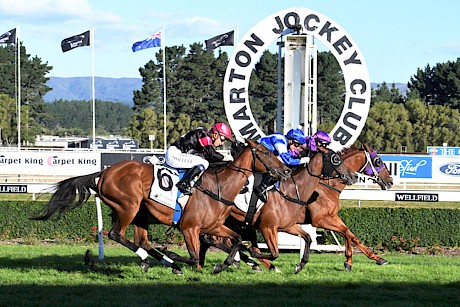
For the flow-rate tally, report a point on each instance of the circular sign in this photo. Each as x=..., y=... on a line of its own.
x=330, y=34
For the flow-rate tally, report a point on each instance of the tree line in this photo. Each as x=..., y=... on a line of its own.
x=428, y=114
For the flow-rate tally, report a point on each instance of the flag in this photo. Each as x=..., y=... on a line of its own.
x=149, y=42
x=75, y=41
x=8, y=37
x=226, y=39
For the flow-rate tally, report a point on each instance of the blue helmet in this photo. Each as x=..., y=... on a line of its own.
x=296, y=135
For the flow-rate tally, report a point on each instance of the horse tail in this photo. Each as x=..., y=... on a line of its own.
x=64, y=198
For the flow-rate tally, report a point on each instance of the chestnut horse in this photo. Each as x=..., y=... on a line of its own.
x=125, y=187
x=323, y=212
x=285, y=208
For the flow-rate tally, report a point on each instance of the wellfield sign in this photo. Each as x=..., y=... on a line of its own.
x=331, y=35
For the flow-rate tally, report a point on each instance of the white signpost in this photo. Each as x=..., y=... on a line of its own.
x=300, y=84
x=330, y=34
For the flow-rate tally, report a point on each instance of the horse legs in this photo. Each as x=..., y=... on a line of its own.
x=336, y=224
x=207, y=241
x=117, y=233
x=297, y=230
x=192, y=241
x=141, y=239
x=271, y=239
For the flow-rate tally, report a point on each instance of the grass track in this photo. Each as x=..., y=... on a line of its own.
x=56, y=276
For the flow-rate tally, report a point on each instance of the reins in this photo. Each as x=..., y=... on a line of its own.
x=235, y=168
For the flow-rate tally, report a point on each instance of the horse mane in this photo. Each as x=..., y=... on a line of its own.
x=346, y=151
x=236, y=149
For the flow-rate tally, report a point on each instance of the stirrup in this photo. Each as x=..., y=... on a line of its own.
x=184, y=188
x=261, y=193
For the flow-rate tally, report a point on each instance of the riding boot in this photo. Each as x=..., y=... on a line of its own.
x=184, y=184
x=261, y=190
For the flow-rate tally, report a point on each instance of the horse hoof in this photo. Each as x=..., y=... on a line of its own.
x=274, y=268
x=298, y=268
x=236, y=264
x=218, y=268
x=177, y=272
x=145, y=266
x=347, y=267
x=256, y=268
x=381, y=261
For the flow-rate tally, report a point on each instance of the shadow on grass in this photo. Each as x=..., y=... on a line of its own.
x=262, y=294
x=194, y=289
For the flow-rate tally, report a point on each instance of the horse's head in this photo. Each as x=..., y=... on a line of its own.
x=333, y=166
x=376, y=169
x=265, y=161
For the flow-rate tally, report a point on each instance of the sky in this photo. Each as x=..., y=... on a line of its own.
x=395, y=37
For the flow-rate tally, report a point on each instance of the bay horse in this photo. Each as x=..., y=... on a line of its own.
x=323, y=211
x=125, y=187
x=285, y=208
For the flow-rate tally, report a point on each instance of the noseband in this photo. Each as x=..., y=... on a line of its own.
x=373, y=165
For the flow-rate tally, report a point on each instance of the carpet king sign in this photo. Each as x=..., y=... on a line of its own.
x=330, y=34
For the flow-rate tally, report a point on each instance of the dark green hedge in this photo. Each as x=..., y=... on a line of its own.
x=79, y=224
x=373, y=226
x=376, y=226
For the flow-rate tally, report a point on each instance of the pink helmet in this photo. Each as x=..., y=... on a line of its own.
x=223, y=130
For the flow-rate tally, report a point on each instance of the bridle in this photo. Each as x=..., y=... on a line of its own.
x=373, y=166
x=255, y=157
x=232, y=166
x=331, y=161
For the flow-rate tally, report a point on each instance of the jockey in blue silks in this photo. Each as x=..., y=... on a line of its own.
x=287, y=148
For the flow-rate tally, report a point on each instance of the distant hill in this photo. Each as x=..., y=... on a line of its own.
x=114, y=89
x=79, y=88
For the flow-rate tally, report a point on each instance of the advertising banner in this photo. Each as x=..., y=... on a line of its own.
x=49, y=163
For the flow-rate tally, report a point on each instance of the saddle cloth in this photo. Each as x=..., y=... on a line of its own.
x=163, y=189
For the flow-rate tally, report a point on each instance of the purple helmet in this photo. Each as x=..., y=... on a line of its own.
x=322, y=137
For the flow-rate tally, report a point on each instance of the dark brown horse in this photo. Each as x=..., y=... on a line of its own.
x=323, y=211
x=285, y=208
x=125, y=187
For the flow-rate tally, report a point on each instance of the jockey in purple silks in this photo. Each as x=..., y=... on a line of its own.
x=319, y=139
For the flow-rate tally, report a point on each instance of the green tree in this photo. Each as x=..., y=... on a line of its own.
x=384, y=93
x=439, y=85
x=33, y=88
x=263, y=90
x=7, y=122
x=433, y=125
x=388, y=128
x=331, y=88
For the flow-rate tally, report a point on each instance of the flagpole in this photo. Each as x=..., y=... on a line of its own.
x=93, y=89
x=18, y=50
x=237, y=34
x=164, y=84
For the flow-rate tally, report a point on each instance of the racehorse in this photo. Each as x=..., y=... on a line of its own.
x=285, y=208
x=323, y=212
x=125, y=187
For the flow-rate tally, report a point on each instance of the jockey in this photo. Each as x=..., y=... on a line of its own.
x=287, y=148
x=195, y=150
x=319, y=139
